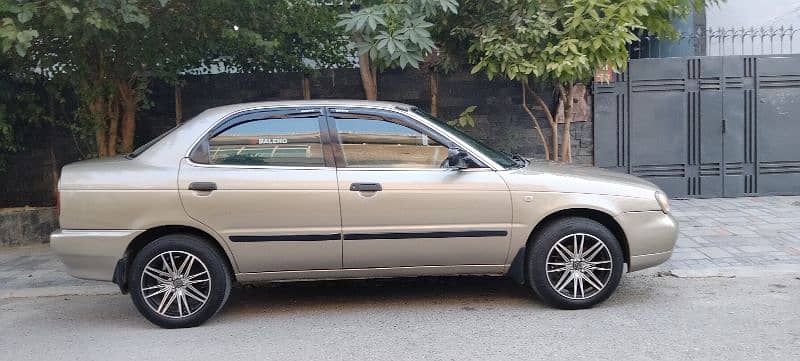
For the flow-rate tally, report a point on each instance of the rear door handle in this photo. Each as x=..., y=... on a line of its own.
x=203, y=186
x=366, y=187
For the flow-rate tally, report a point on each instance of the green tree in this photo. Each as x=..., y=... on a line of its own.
x=562, y=42
x=26, y=106
x=108, y=51
x=95, y=47
x=391, y=33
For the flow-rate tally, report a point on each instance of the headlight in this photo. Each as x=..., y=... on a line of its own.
x=663, y=201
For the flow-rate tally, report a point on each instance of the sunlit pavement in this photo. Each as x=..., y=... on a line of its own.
x=729, y=232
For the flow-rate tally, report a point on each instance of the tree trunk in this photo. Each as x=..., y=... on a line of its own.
x=306, y=87
x=551, y=120
x=434, y=94
x=98, y=114
x=178, y=105
x=566, y=101
x=368, y=77
x=129, y=103
x=535, y=121
x=113, y=125
x=95, y=92
x=373, y=71
x=100, y=138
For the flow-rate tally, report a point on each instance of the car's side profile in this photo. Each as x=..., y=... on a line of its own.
x=345, y=189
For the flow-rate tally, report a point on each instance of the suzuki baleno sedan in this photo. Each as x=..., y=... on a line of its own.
x=346, y=189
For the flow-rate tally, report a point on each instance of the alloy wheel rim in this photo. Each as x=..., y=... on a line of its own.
x=175, y=284
x=579, y=266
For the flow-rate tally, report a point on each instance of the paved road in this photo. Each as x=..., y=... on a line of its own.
x=732, y=232
x=650, y=318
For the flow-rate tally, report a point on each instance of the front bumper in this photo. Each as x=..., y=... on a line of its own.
x=651, y=237
x=91, y=254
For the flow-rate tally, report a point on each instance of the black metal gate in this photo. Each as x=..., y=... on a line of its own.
x=704, y=126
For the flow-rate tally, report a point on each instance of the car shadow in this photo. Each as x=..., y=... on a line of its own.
x=466, y=292
x=360, y=299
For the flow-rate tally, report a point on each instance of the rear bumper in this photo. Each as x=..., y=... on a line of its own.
x=91, y=254
x=651, y=237
x=648, y=260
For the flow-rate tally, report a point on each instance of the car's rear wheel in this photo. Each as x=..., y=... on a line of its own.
x=179, y=281
x=574, y=263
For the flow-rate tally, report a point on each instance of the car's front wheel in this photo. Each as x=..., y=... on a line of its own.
x=574, y=263
x=179, y=281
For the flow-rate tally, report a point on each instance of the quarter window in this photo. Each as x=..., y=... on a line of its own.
x=377, y=143
x=270, y=142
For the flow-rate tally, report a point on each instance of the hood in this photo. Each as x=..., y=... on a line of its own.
x=548, y=176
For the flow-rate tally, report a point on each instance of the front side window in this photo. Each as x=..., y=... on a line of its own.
x=269, y=142
x=500, y=158
x=376, y=143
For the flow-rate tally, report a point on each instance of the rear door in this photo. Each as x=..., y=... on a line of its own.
x=265, y=181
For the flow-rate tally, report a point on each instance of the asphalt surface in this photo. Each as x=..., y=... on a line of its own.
x=650, y=317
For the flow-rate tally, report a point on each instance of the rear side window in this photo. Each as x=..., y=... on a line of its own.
x=269, y=142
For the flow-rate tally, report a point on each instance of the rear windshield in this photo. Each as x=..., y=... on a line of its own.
x=149, y=144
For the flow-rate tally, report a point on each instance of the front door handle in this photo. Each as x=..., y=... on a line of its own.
x=203, y=186
x=366, y=187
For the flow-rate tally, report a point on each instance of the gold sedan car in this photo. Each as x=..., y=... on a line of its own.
x=346, y=189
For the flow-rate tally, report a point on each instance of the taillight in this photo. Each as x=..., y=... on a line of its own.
x=58, y=203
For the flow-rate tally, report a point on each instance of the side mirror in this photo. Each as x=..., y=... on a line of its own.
x=458, y=159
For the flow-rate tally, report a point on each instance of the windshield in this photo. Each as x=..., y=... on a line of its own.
x=149, y=144
x=504, y=160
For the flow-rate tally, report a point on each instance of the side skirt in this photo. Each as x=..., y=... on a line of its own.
x=388, y=272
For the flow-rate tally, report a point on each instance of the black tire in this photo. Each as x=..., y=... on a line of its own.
x=217, y=287
x=539, y=250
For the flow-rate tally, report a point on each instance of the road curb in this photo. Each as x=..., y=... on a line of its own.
x=733, y=272
x=60, y=291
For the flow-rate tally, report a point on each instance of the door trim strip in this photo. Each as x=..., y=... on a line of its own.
x=364, y=236
x=442, y=234
x=288, y=238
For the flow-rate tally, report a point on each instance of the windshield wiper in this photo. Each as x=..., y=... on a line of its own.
x=522, y=161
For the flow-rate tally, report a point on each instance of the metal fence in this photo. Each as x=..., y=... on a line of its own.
x=709, y=126
x=771, y=40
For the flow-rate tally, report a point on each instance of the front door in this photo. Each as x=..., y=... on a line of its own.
x=402, y=207
x=262, y=181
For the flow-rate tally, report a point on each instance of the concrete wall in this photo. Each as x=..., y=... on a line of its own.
x=27, y=226
x=747, y=13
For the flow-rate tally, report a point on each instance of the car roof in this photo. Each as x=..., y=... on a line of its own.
x=177, y=143
x=302, y=103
